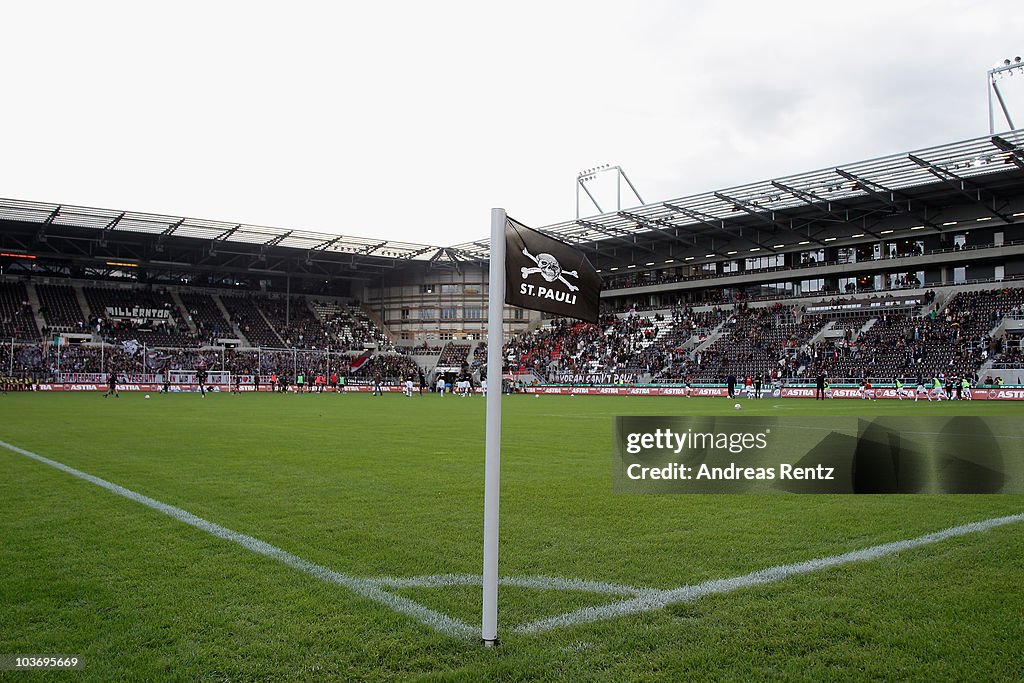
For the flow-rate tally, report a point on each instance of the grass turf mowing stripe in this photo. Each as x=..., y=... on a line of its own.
x=363, y=587
x=640, y=599
x=659, y=599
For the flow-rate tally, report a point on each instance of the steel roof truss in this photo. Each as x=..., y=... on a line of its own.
x=888, y=197
x=962, y=185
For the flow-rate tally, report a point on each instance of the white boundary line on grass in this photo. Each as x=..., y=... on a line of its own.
x=658, y=599
x=539, y=582
x=364, y=587
x=641, y=600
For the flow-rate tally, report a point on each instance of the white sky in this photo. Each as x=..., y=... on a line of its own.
x=410, y=120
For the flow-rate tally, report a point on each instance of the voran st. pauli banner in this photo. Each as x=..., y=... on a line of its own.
x=841, y=454
x=597, y=378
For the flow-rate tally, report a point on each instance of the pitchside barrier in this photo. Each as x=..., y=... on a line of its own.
x=1014, y=393
x=1007, y=393
x=224, y=387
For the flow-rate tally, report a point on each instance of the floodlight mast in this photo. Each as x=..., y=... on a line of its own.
x=1007, y=68
x=589, y=174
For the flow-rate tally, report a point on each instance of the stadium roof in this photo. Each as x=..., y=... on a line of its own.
x=772, y=215
x=113, y=221
x=857, y=200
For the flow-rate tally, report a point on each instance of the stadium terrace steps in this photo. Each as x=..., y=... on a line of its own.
x=324, y=310
x=867, y=326
x=316, y=308
x=83, y=303
x=375, y=319
x=61, y=310
x=820, y=335
x=270, y=326
x=33, y=300
x=184, y=312
x=245, y=315
x=711, y=339
x=227, y=316
x=15, y=321
x=208, y=318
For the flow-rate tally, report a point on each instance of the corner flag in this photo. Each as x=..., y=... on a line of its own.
x=545, y=274
x=530, y=270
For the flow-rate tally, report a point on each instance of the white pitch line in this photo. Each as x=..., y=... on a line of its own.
x=644, y=600
x=538, y=582
x=658, y=599
x=363, y=587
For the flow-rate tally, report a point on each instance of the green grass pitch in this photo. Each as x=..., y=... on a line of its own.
x=394, y=487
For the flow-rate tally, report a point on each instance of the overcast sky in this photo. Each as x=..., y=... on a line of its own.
x=410, y=120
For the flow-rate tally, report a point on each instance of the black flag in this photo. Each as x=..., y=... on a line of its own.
x=544, y=274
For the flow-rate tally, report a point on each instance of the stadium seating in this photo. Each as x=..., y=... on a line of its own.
x=304, y=324
x=350, y=328
x=1009, y=352
x=246, y=315
x=206, y=316
x=60, y=308
x=16, y=318
x=171, y=332
x=454, y=355
x=775, y=341
x=779, y=341
x=390, y=367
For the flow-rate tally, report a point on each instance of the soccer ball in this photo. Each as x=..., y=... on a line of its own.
x=737, y=406
x=536, y=395
x=147, y=396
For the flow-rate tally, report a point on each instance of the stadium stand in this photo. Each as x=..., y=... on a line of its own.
x=16, y=318
x=60, y=308
x=454, y=355
x=1009, y=352
x=206, y=316
x=780, y=341
x=390, y=367
x=349, y=328
x=246, y=315
x=701, y=292
x=425, y=349
x=295, y=323
x=166, y=332
x=776, y=341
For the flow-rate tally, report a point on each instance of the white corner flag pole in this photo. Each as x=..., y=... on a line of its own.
x=492, y=469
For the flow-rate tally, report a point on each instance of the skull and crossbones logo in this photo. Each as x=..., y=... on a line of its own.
x=549, y=268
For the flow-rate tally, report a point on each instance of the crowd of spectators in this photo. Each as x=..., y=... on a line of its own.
x=681, y=344
x=613, y=345
x=167, y=329
x=389, y=367
x=350, y=329
x=776, y=341
x=45, y=361
x=245, y=315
